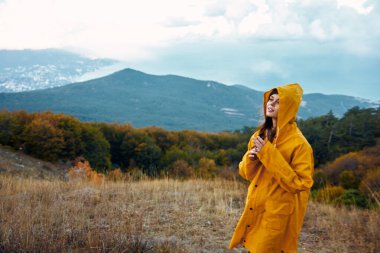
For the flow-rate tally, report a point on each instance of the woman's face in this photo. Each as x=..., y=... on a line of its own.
x=272, y=106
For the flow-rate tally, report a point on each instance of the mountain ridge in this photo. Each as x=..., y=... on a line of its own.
x=168, y=101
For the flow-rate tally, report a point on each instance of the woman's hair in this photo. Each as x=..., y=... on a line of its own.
x=265, y=129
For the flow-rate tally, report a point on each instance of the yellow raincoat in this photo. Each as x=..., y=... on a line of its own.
x=281, y=179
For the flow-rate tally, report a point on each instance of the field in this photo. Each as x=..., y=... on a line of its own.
x=163, y=215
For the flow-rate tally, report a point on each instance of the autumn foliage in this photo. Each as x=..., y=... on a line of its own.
x=351, y=179
x=152, y=150
x=116, y=175
x=82, y=171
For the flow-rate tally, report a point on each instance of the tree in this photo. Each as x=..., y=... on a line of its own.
x=12, y=125
x=147, y=155
x=127, y=148
x=163, y=138
x=320, y=132
x=172, y=155
x=43, y=139
x=115, y=135
x=72, y=132
x=357, y=129
x=139, y=148
x=97, y=148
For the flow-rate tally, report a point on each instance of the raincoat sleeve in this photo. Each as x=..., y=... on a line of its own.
x=294, y=177
x=248, y=168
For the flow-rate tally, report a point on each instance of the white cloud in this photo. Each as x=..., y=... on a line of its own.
x=294, y=29
x=237, y=9
x=84, y=24
x=266, y=67
x=317, y=31
x=357, y=5
x=137, y=29
x=251, y=23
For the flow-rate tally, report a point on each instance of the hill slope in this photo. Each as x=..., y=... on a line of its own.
x=19, y=164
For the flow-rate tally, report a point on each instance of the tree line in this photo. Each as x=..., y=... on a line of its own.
x=332, y=137
x=61, y=138
x=156, y=151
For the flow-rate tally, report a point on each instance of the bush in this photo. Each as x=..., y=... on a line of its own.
x=180, y=169
x=82, y=171
x=370, y=185
x=328, y=194
x=320, y=180
x=352, y=197
x=348, y=180
x=136, y=174
x=116, y=175
x=229, y=173
x=347, y=162
x=207, y=168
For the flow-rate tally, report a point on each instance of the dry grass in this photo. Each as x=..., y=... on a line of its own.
x=154, y=216
x=340, y=230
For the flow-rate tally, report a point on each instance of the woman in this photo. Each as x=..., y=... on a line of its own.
x=279, y=163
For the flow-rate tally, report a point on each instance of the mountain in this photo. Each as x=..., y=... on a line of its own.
x=169, y=101
x=24, y=70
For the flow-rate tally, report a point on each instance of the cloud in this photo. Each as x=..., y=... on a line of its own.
x=266, y=67
x=357, y=5
x=129, y=29
x=317, y=31
x=179, y=22
x=254, y=20
x=114, y=28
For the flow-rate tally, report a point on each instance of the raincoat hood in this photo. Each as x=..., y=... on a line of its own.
x=290, y=99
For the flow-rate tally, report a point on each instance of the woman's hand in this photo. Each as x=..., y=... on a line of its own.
x=259, y=144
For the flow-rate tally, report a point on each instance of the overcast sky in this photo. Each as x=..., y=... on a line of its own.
x=328, y=46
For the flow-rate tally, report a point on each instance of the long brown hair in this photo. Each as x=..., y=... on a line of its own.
x=265, y=129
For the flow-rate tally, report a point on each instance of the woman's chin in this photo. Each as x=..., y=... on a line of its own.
x=271, y=115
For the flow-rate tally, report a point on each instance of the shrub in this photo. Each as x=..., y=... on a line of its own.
x=82, y=171
x=348, y=180
x=116, y=175
x=352, y=197
x=180, y=169
x=328, y=194
x=207, y=168
x=229, y=173
x=320, y=180
x=347, y=162
x=136, y=174
x=370, y=185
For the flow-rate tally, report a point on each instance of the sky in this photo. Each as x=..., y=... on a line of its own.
x=328, y=46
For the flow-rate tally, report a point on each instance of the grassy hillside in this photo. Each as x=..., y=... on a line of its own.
x=17, y=163
x=155, y=216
